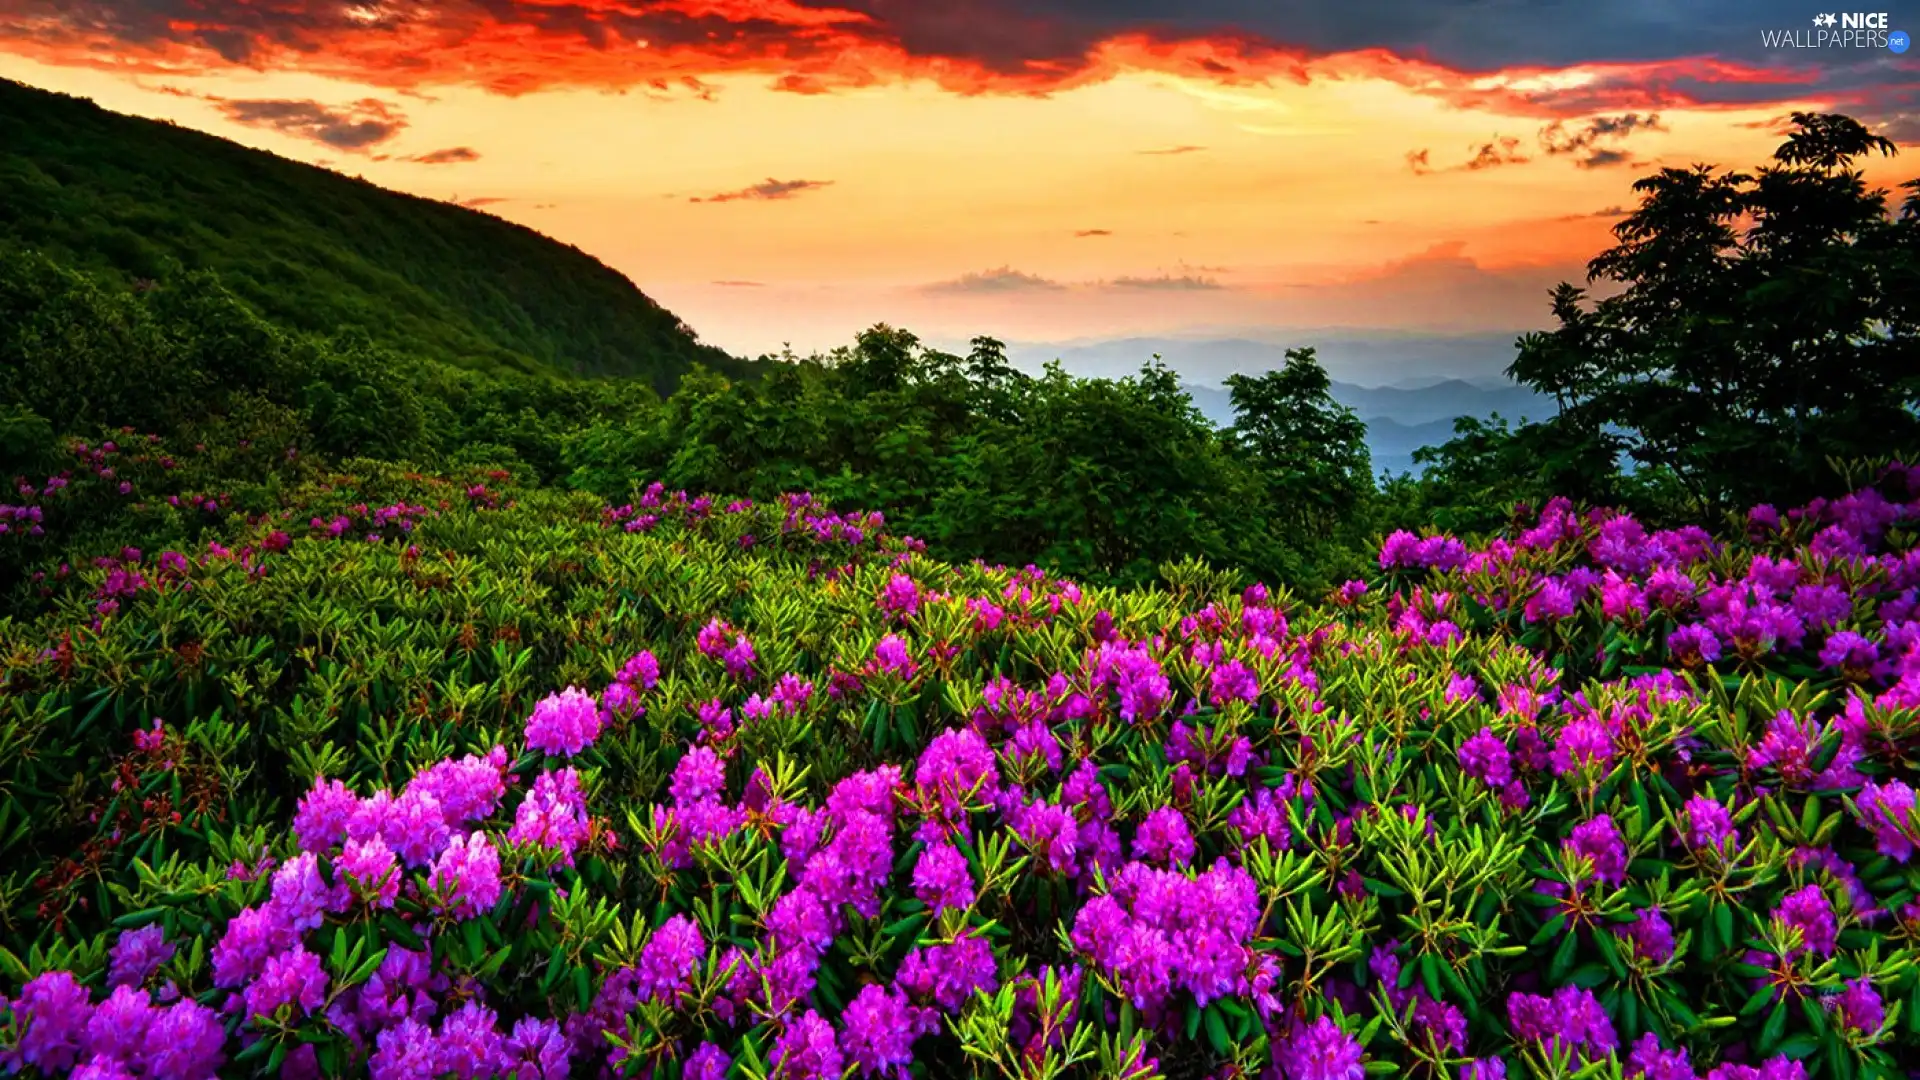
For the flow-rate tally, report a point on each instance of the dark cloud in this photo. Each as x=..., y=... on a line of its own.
x=1583, y=140
x=1183, y=149
x=1603, y=158
x=766, y=189
x=1003, y=280
x=1094, y=232
x=1501, y=150
x=1166, y=282
x=483, y=200
x=452, y=155
x=357, y=127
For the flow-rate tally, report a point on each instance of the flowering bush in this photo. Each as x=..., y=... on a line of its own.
x=679, y=789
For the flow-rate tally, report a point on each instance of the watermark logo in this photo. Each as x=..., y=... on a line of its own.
x=1840, y=30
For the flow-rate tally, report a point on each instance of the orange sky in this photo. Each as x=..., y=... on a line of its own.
x=770, y=193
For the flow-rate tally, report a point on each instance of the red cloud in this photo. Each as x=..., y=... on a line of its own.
x=814, y=46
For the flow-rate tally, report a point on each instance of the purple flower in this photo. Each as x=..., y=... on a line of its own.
x=1584, y=744
x=1600, y=842
x=1319, y=1051
x=413, y=825
x=186, y=1042
x=901, y=597
x=119, y=1025
x=707, y=1062
x=1164, y=838
x=892, y=657
x=467, y=875
x=1708, y=826
x=1650, y=1061
x=136, y=955
x=1262, y=815
x=404, y=1052
x=1233, y=681
x=300, y=898
x=53, y=1011
x=564, y=724
x=942, y=878
x=1888, y=809
x=469, y=1045
x=1492, y=1068
x=370, y=869
x=1693, y=645
x=949, y=974
x=553, y=815
x=806, y=1051
x=320, y=821
x=1808, y=910
x=672, y=955
x=292, y=978
x=1552, y=602
x=878, y=1030
x=102, y=1066
x=466, y=790
x=641, y=671
x=537, y=1050
x=1851, y=654
x=1649, y=935
x=251, y=937
x=699, y=776
x=1572, y=1019
x=1859, y=1007
x=1485, y=758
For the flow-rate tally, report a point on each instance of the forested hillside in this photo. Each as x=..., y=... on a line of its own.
x=313, y=250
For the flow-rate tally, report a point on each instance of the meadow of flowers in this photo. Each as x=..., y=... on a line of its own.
x=426, y=778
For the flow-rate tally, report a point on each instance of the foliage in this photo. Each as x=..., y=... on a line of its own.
x=1763, y=324
x=317, y=252
x=832, y=804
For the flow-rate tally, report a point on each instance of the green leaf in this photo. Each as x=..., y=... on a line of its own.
x=1217, y=1032
x=139, y=918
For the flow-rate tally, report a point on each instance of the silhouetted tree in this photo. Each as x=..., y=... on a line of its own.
x=1764, y=324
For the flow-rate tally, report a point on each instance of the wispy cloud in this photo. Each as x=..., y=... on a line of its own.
x=1583, y=141
x=356, y=128
x=1183, y=149
x=1167, y=282
x=742, y=284
x=1003, y=280
x=768, y=189
x=452, y=155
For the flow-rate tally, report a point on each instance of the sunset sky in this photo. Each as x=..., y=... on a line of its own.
x=794, y=170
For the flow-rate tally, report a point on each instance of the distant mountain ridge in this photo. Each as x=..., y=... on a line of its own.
x=317, y=251
x=1357, y=355
x=1407, y=387
x=1399, y=420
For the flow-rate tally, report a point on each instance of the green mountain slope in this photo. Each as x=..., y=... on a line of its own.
x=313, y=250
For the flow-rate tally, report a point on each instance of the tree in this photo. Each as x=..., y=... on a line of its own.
x=1764, y=323
x=1312, y=449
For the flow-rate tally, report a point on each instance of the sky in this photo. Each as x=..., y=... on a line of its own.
x=791, y=171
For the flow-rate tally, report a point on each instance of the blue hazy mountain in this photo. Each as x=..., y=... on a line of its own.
x=1407, y=387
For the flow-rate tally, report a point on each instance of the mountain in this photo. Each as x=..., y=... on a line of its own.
x=1401, y=420
x=1362, y=356
x=313, y=250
